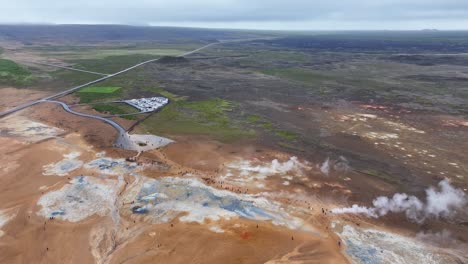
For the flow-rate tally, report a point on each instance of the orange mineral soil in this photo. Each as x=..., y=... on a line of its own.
x=67, y=196
x=48, y=216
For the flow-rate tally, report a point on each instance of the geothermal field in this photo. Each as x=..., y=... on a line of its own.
x=270, y=148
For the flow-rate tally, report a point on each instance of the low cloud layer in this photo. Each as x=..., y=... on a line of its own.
x=272, y=14
x=445, y=202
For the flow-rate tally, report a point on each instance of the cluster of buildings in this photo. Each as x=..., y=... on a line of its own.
x=148, y=104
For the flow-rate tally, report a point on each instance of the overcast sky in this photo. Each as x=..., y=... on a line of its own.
x=253, y=14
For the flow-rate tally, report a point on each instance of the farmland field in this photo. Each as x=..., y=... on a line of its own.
x=95, y=93
x=95, y=89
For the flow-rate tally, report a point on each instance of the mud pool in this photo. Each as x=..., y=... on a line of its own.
x=371, y=246
x=82, y=197
x=165, y=199
x=26, y=129
x=245, y=172
x=111, y=166
x=65, y=166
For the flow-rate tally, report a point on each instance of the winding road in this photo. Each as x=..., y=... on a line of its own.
x=124, y=139
x=71, y=90
x=120, y=129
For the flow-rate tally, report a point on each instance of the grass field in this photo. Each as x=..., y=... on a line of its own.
x=207, y=117
x=95, y=89
x=97, y=53
x=171, y=96
x=13, y=74
x=267, y=126
x=253, y=118
x=95, y=93
x=111, y=64
x=71, y=78
x=109, y=59
x=116, y=109
x=287, y=134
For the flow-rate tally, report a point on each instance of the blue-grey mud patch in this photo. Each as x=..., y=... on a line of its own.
x=82, y=197
x=371, y=246
x=167, y=198
x=65, y=166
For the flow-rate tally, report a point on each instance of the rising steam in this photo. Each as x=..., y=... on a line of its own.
x=443, y=202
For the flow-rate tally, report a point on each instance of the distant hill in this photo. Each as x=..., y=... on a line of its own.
x=378, y=41
x=99, y=33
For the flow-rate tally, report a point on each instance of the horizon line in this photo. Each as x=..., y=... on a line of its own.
x=221, y=28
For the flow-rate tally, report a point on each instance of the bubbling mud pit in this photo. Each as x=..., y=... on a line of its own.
x=90, y=205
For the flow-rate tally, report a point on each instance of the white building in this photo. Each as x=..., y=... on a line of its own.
x=148, y=104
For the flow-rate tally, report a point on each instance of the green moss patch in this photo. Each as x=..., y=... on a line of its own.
x=171, y=96
x=95, y=89
x=208, y=117
x=116, y=109
x=95, y=94
x=13, y=74
x=253, y=118
x=287, y=134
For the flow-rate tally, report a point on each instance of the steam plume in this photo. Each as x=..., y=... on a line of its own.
x=443, y=202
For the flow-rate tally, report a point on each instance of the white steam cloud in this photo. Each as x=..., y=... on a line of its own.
x=443, y=202
x=325, y=168
x=293, y=164
x=340, y=165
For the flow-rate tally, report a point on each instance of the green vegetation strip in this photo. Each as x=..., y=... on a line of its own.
x=287, y=134
x=95, y=94
x=14, y=74
x=71, y=78
x=253, y=118
x=104, y=53
x=268, y=126
x=116, y=109
x=209, y=117
x=111, y=64
x=171, y=96
x=94, y=89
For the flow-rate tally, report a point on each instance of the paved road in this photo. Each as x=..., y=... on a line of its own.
x=124, y=140
x=120, y=129
x=69, y=68
x=197, y=50
x=71, y=90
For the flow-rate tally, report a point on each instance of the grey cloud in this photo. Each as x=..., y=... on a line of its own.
x=371, y=12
